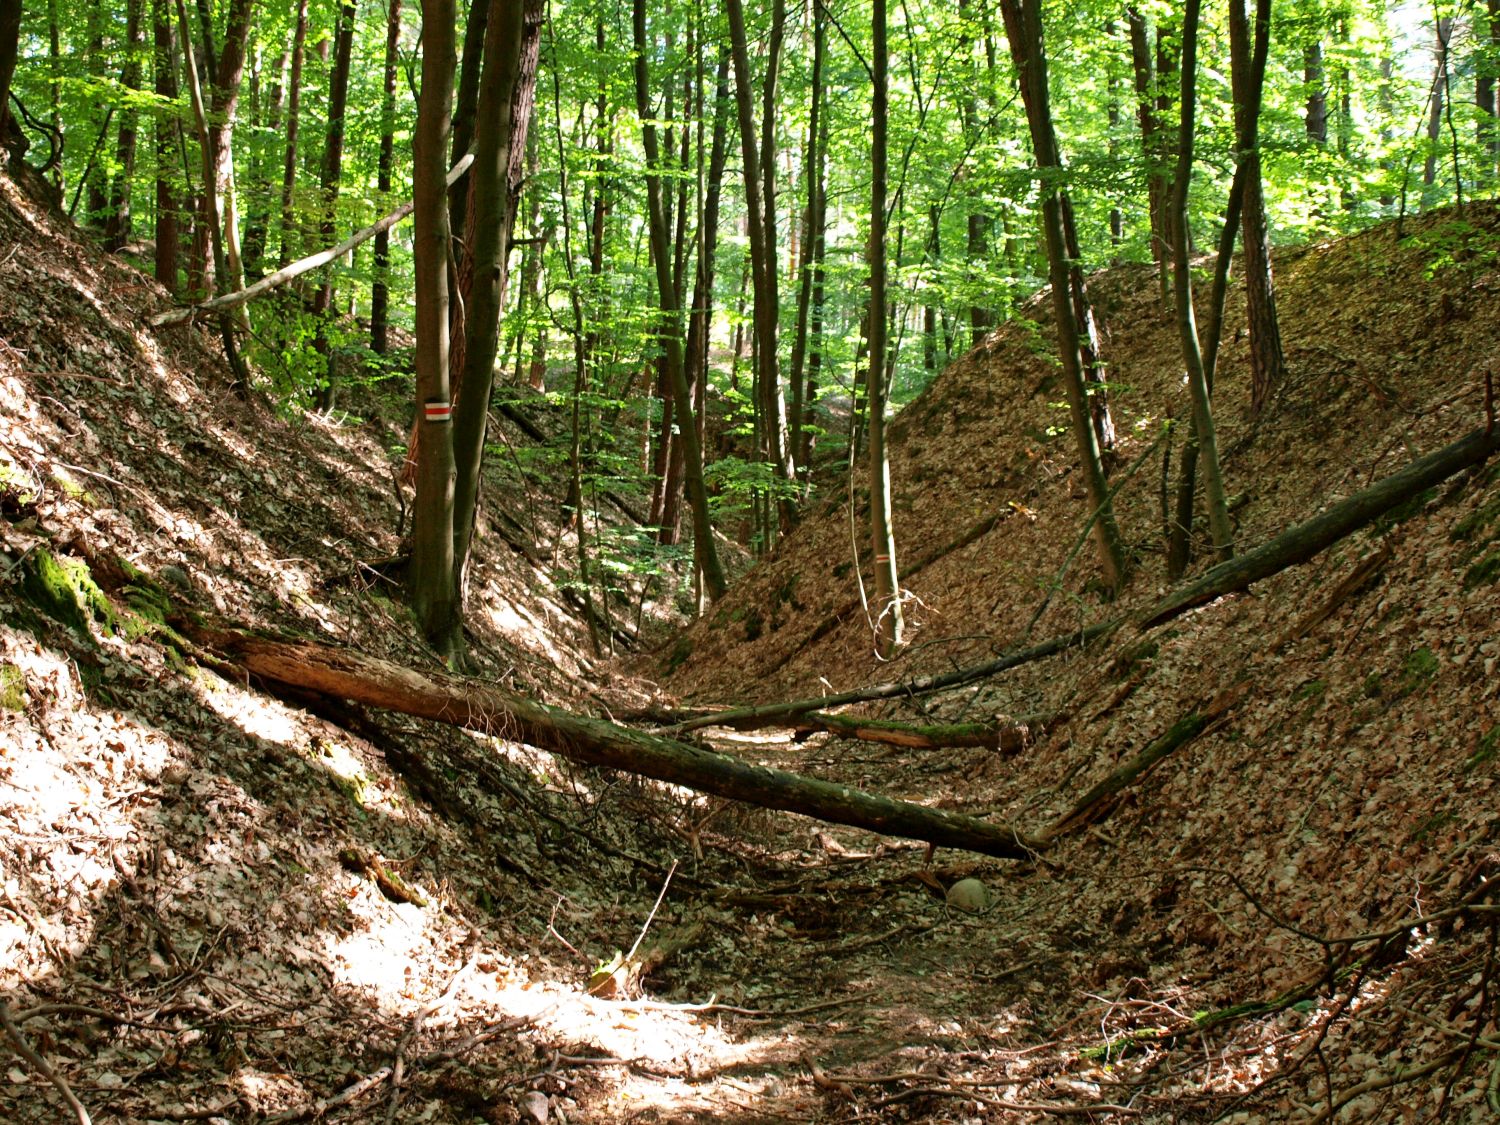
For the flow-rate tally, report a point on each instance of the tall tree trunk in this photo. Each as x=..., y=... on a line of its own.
x=811, y=233
x=1198, y=376
x=980, y=222
x=1437, y=102
x=1316, y=117
x=506, y=97
x=889, y=623
x=117, y=225
x=240, y=378
x=1484, y=89
x=470, y=69
x=704, y=549
x=10, y=43
x=167, y=132
x=815, y=318
x=333, y=161
x=94, y=177
x=1267, y=362
x=432, y=586
x=258, y=213
x=759, y=177
x=1024, y=30
x=380, y=289
x=293, y=120
x=226, y=97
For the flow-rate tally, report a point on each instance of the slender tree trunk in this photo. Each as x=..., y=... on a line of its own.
x=1266, y=359
x=258, y=212
x=1024, y=30
x=704, y=549
x=759, y=175
x=289, y=160
x=506, y=98
x=240, y=378
x=1203, y=424
x=889, y=623
x=117, y=225
x=380, y=289
x=980, y=222
x=1437, y=102
x=815, y=318
x=333, y=161
x=432, y=588
x=167, y=132
x=811, y=233
x=1316, y=118
x=1489, y=105
x=94, y=183
x=475, y=30
x=226, y=97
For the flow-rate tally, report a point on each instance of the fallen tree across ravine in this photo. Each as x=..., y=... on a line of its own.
x=345, y=674
x=1292, y=547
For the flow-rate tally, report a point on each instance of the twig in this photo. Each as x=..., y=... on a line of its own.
x=1397, y=1077
x=667, y=882
x=41, y=1065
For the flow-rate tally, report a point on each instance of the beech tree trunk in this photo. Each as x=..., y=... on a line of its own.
x=1267, y=362
x=431, y=587
x=380, y=288
x=705, y=552
x=889, y=623
x=289, y=160
x=117, y=224
x=333, y=162
x=1024, y=30
x=167, y=134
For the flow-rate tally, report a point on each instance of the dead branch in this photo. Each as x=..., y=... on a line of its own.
x=1008, y=737
x=40, y=1065
x=297, y=269
x=465, y=703
x=1294, y=546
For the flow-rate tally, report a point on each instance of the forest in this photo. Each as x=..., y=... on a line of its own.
x=964, y=538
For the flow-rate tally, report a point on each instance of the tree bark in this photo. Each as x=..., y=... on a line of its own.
x=889, y=623
x=1024, y=30
x=1316, y=117
x=507, y=96
x=10, y=42
x=328, y=196
x=117, y=225
x=812, y=233
x=167, y=133
x=475, y=706
x=431, y=587
x=293, y=119
x=761, y=221
x=380, y=288
x=1192, y=355
x=705, y=551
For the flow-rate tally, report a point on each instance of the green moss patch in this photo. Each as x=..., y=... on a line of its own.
x=13, y=695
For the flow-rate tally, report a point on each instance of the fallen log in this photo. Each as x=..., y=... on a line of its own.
x=1311, y=537
x=1008, y=738
x=465, y=703
x=297, y=269
x=1296, y=545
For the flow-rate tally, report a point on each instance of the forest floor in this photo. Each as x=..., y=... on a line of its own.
x=223, y=903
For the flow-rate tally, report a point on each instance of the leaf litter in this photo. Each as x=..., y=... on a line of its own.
x=185, y=933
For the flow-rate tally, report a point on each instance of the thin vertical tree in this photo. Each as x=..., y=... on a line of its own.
x=1023, y=27
x=293, y=123
x=889, y=623
x=328, y=197
x=1192, y=353
x=381, y=287
x=168, y=135
x=705, y=552
x=117, y=223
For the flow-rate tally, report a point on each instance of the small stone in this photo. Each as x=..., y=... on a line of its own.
x=176, y=576
x=534, y=1107
x=969, y=895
